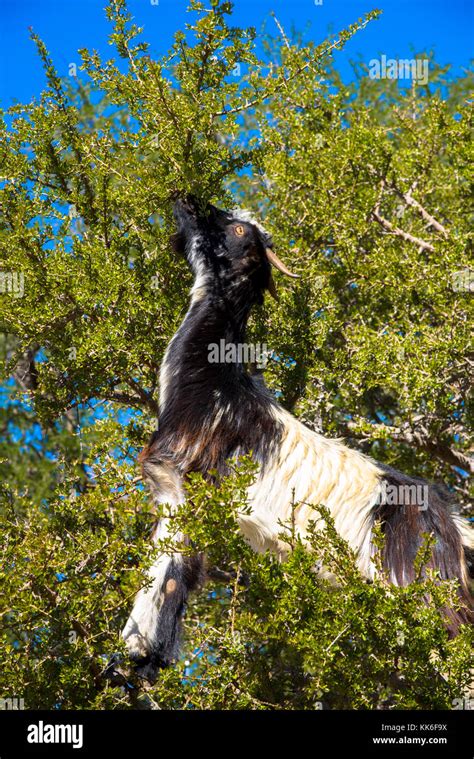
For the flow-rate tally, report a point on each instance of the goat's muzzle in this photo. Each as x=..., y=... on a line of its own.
x=185, y=206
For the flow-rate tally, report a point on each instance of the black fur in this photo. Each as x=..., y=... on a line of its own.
x=404, y=524
x=187, y=575
x=214, y=411
x=202, y=390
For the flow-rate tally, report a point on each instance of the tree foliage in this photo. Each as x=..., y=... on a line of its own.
x=365, y=188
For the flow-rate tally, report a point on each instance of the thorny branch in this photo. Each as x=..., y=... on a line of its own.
x=285, y=79
x=409, y=200
x=394, y=229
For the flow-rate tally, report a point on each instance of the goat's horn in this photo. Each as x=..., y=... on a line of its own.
x=275, y=261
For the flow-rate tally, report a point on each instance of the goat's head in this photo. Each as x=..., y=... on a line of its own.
x=227, y=250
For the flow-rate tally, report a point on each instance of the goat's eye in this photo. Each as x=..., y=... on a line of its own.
x=239, y=230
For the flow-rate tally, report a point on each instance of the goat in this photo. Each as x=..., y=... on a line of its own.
x=210, y=412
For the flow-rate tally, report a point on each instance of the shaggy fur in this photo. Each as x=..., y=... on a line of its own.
x=210, y=412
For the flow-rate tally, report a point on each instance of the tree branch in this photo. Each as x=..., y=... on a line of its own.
x=410, y=201
x=130, y=400
x=281, y=30
x=285, y=79
x=418, y=438
x=146, y=398
x=400, y=233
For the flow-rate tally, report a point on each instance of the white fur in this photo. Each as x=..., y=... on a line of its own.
x=140, y=628
x=308, y=470
x=166, y=375
x=241, y=214
x=198, y=291
x=311, y=470
x=467, y=537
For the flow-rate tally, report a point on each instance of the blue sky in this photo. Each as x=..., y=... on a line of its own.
x=447, y=26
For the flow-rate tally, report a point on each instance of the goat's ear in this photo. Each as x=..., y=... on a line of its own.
x=271, y=288
x=177, y=243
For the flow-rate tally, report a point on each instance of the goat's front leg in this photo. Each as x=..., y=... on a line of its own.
x=152, y=632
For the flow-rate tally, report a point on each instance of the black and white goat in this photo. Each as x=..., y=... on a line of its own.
x=210, y=412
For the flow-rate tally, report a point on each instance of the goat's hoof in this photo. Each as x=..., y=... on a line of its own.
x=147, y=667
x=116, y=672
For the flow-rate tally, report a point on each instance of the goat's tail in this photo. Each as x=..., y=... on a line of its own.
x=405, y=523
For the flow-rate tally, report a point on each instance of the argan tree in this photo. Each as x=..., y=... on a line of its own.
x=365, y=188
